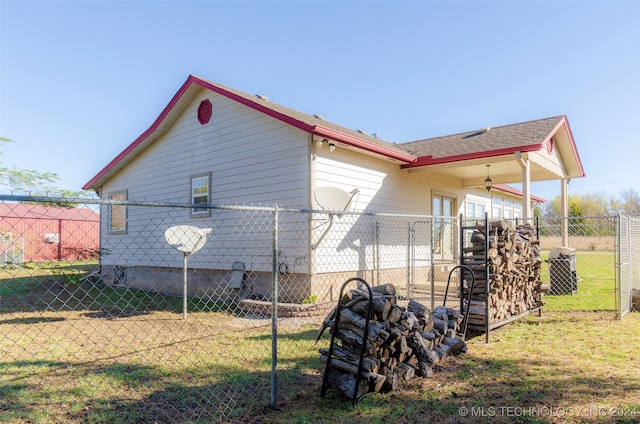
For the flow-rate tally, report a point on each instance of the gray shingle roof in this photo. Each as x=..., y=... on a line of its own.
x=484, y=140
x=308, y=119
x=497, y=138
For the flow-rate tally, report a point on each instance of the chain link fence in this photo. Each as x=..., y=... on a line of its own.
x=207, y=314
x=595, y=268
x=629, y=264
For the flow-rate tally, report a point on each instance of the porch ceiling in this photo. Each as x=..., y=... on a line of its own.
x=503, y=170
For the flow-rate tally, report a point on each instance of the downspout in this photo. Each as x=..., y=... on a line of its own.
x=525, y=164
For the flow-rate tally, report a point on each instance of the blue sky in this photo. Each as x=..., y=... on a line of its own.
x=80, y=80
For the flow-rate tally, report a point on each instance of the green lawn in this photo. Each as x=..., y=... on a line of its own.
x=596, y=284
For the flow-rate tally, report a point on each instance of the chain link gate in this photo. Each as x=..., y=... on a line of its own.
x=629, y=262
x=583, y=271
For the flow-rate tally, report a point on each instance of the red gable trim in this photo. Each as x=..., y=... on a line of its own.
x=361, y=144
x=254, y=105
x=312, y=129
x=565, y=123
x=429, y=160
x=516, y=192
x=142, y=137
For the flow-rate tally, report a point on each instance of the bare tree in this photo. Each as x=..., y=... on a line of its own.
x=630, y=202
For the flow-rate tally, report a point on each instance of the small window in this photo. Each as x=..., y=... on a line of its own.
x=118, y=213
x=475, y=209
x=496, y=208
x=517, y=210
x=508, y=209
x=200, y=194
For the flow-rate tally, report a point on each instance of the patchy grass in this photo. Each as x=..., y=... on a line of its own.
x=68, y=286
x=577, y=367
x=125, y=356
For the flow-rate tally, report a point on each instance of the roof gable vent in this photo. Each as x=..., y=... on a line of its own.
x=204, y=111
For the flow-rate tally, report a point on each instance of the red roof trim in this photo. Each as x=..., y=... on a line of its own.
x=516, y=192
x=564, y=122
x=313, y=129
x=429, y=160
x=361, y=144
x=322, y=131
x=143, y=136
x=254, y=105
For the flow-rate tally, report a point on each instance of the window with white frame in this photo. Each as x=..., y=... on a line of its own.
x=475, y=209
x=496, y=207
x=508, y=209
x=517, y=210
x=117, y=215
x=201, y=194
x=442, y=207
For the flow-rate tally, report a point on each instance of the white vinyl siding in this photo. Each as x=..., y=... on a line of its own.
x=253, y=159
x=383, y=187
x=551, y=161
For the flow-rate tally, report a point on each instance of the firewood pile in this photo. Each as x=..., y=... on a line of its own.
x=401, y=343
x=514, y=267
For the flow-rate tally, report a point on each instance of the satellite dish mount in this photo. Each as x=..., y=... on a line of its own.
x=335, y=201
x=186, y=239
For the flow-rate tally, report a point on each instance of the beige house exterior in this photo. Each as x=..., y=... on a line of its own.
x=243, y=148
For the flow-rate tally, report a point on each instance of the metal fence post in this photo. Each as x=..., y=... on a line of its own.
x=274, y=310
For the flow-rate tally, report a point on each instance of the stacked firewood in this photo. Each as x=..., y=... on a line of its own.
x=513, y=266
x=401, y=342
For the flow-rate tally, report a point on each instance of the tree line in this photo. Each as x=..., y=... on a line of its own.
x=592, y=205
x=589, y=214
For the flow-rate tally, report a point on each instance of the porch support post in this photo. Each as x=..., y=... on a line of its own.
x=564, y=209
x=526, y=185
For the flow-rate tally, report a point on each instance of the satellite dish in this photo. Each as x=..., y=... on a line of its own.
x=333, y=198
x=186, y=238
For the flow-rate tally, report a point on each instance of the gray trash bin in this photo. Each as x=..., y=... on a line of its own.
x=562, y=271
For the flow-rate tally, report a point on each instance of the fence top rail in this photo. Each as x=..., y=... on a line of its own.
x=272, y=208
x=53, y=200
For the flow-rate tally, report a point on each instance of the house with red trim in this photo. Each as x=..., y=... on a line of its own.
x=213, y=144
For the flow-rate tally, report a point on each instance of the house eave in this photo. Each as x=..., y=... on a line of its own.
x=168, y=115
x=425, y=161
